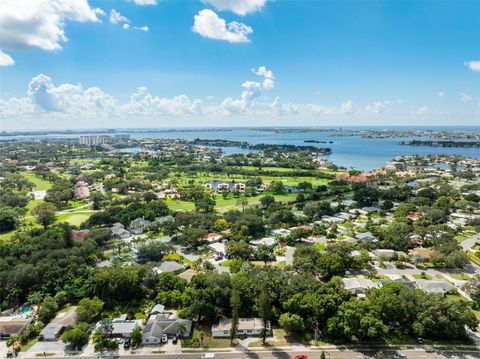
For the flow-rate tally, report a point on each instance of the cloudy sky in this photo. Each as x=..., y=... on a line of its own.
x=165, y=63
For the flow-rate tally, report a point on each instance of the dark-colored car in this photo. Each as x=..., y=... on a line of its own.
x=126, y=343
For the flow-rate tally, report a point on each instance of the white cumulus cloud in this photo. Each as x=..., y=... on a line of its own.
x=142, y=28
x=239, y=7
x=473, y=65
x=40, y=23
x=346, y=108
x=441, y=94
x=375, y=108
x=269, y=79
x=5, y=59
x=465, y=98
x=142, y=103
x=117, y=18
x=423, y=110
x=208, y=24
x=278, y=108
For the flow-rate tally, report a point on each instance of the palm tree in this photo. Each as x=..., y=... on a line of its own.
x=242, y=201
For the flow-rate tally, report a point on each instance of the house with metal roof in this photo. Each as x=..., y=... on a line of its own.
x=158, y=325
x=440, y=286
x=12, y=326
x=246, y=327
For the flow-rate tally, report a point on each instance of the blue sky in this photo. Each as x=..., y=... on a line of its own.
x=342, y=62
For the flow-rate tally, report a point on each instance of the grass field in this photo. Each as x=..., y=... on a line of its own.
x=40, y=184
x=223, y=204
x=286, y=178
x=74, y=218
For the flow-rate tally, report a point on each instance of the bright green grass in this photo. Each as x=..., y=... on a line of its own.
x=7, y=235
x=40, y=184
x=29, y=344
x=473, y=258
x=180, y=205
x=202, y=178
x=461, y=276
x=223, y=204
x=177, y=258
x=74, y=218
x=419, y=276
x=460, y=238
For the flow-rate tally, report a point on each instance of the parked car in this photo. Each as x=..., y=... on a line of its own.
x=164, y=338
x=126, y=344
x=399, y=356
x=218, y=257
x=300, y=356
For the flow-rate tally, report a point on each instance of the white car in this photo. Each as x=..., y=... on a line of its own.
x=164, y=338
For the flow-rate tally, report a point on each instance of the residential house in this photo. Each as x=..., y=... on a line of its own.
x=366, y=236
x=165, y=323
x=157, y=309
x=420, y=254
x=169, y=266
x=358, y=286
x=282, y=232
x=246, y=327
x=212, y=238
x=332, y=220
x=62, y=321
x=266, y=241
x=12, y=326
x=139, y=225
x=385, y=254
x=123, y=328
x=120, y=233
x=218, y=248
x=440, y=286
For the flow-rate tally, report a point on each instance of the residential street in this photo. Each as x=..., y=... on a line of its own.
x=470, y=242
x=312, y=354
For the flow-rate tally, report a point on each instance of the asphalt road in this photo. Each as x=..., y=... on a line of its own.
x=330, y=354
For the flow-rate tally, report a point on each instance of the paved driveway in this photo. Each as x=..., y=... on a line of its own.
x=48, y=347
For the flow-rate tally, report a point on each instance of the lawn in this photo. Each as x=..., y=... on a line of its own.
x=40, y=184
x=455, y=297
x=461, y=276
x=177, y=258
x=473, y=258
x=74, y=218
x=459, y=238
x=287, y=178
x=29, y=344
x=225, y=204
x=208, y=341
x=180, y=205
x=425, y=276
